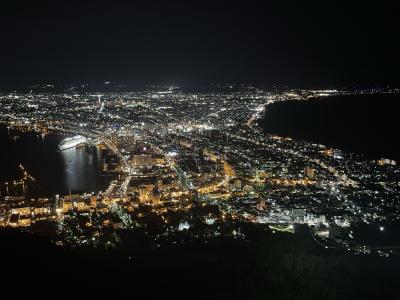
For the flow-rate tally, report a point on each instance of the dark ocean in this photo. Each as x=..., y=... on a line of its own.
x=362, y=124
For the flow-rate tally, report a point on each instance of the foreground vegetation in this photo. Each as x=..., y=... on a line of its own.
x=267, y=266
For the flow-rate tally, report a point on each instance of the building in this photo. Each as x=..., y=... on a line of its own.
x=309, y=172
x=142, y=160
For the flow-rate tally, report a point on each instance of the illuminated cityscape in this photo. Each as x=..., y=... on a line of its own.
x=196, y=166
x=199, y=149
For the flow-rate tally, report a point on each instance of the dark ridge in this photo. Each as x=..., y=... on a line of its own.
x=271, y=266
x=362, y=124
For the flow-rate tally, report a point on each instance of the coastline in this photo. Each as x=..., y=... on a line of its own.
x=40, y=155
x=360, y=124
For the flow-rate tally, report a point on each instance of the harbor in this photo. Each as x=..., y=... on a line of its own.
x=56, y=169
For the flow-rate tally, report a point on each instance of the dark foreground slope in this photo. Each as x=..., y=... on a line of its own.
x=270, y=267
x=364, y=124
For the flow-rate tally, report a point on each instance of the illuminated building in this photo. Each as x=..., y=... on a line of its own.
x=309, y=172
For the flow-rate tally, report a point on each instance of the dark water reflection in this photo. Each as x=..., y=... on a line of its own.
x=56, y=172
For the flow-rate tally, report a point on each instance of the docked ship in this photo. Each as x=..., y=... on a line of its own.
x=71, y=142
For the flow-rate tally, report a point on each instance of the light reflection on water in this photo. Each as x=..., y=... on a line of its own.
x=82, y=167
x=56, y=172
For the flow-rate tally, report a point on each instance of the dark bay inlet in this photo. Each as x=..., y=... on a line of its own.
x=365, y=124
x=54, y=171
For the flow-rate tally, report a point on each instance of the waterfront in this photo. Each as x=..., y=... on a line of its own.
x=191, y=172
x=363, y=124
x=55, y=171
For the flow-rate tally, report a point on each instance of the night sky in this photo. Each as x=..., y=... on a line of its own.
x=313, y=44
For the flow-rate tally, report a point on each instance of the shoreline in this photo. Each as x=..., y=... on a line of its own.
x=56, y=161
x=357, y=124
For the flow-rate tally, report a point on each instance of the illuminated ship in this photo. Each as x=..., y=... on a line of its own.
x=71, y=142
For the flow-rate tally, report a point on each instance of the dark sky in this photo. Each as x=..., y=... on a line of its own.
x=312, y=44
